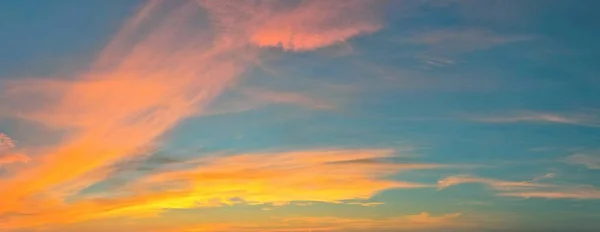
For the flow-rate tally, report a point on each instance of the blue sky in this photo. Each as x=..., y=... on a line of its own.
x=449, y=115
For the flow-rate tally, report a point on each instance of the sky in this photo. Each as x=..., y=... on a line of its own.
x=289, y=116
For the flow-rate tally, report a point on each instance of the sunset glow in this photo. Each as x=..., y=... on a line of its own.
x=307, y=115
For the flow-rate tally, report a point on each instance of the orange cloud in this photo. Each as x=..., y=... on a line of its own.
x=145, y=82
x=275, y=179
x=419, y=222
x=318, y=176
x=159, y=69
x=422, y=221
x=13, y=158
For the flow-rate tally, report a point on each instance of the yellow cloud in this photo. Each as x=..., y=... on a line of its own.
x=275, y=179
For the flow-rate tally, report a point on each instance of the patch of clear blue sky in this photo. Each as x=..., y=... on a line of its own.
x=39, y=38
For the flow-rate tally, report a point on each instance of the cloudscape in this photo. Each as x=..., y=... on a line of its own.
x=303, y=115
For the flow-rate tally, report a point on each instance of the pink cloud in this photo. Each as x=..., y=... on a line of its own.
x=6, y=142
x=302, y=26
x=13, y=158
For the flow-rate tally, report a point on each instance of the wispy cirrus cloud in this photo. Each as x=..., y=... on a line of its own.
x=455, y=41
x=417, y=222
x=276, y=179
x=562, y=192
x=307, y=176
x=313, y=24
x=7, y=156
x=13, y=158
x=527, y=189
x=126, y=101
x=6, y=142
x=252, y=98
x=440, y=47
x=580, y=119
x=367, y=204
x=294, y=98
x=496, y=184
x=590, y=160
x=164, y=66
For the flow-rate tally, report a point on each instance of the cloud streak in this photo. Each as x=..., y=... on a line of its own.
x=164, y=66
x=496, y=184
x=122, y=105
x=589, y=160
x=318, y=176
x=417, y=222
x=526, y=189
x=314, y=24
x=330, y=176
x=456, y=41
x=580, y=119
x=6, y=142
x=7, y=155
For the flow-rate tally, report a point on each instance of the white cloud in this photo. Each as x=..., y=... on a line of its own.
x=580, y=119
x=527, y=189
x=590, y=160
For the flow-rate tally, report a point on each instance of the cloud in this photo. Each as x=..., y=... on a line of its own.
x=162, y=67
x=441, y=46
x=274, y=179
x=6, y=155
x=252, y=98
x=366, y=204
x=464, y=40
x=145, y=83
x=314, y=24
x=496, y=184
x=312, y=175
x=580, y=119
x=288, y=98
x=545, y=176
x=527, y=189
x=577, y=192
x=418, y=222
x=13, y=158
x=6, y=142
x=591, y=160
